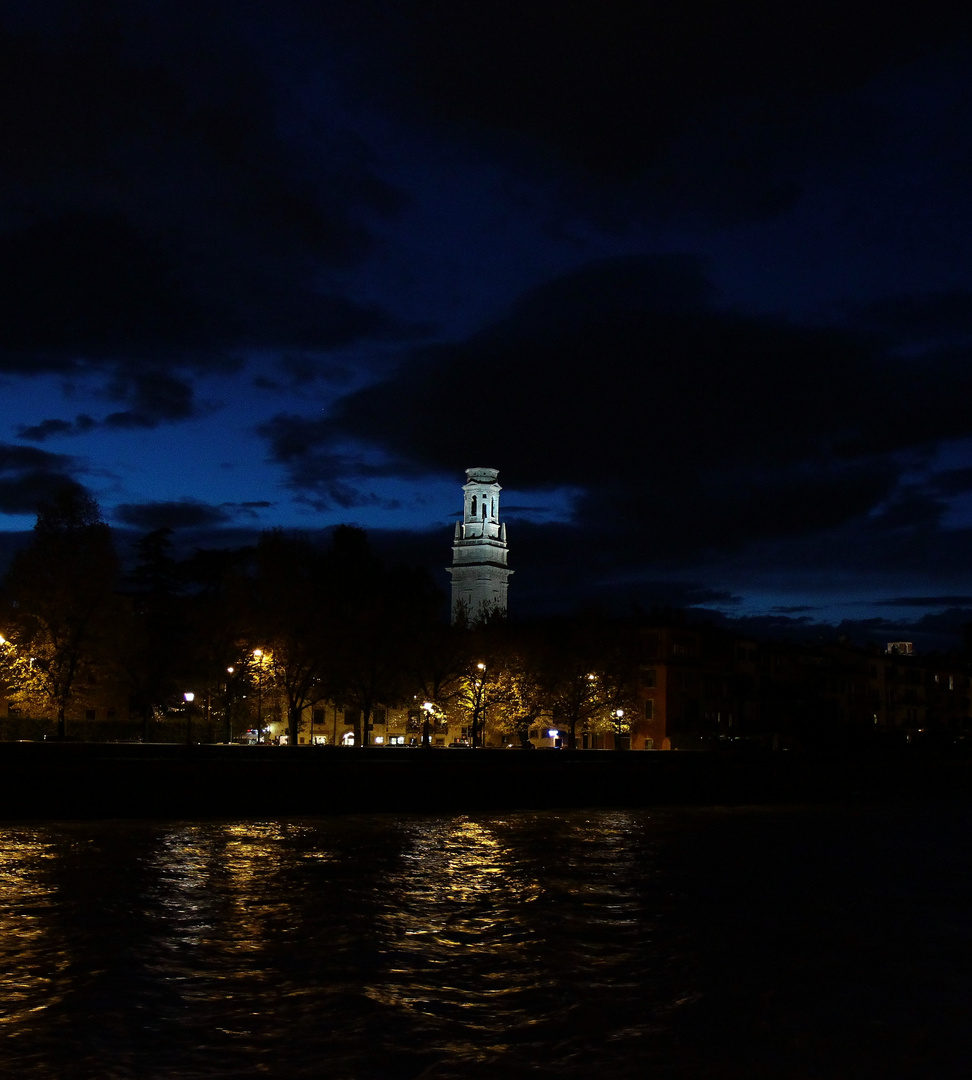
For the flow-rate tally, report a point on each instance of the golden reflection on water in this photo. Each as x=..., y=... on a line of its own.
x=31, y=971
x=458, y=935
x=212, y=882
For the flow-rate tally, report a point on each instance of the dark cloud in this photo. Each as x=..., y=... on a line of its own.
x=297, y=372
x=180, y=514
x=192, y=515
x=612, y=88
x=953, y=622
x=14, y=458
x=615, y=392
x=621, y=381
x=937, y=631
x=246, y=510
x=156, y=208
x=156, y=396
x=29, y=476
x=910, y=508
x=723, y=509
x=51, y=429
x=925, y=601
x=684, y=430
x=952, y=481
x=88, y=285
x=323, y=473
x=919, y=317
x=24, y=493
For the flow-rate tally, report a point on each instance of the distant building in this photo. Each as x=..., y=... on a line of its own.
x=479, y=550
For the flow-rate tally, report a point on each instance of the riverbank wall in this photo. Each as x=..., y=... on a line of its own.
x=50, y=781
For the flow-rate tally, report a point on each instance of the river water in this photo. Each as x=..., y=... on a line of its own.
x=747, y=942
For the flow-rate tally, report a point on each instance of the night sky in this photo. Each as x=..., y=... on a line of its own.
x=694, y=276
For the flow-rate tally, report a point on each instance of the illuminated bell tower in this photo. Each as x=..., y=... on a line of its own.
x=479, y=550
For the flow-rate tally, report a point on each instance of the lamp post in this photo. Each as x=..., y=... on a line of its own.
x=189, y=699
x=229, y=705
x=3, y=645
x=427, y=709
x=618, y=735
x=258, y=653
x=479, y=707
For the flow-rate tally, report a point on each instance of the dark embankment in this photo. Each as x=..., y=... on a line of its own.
x=87, y=780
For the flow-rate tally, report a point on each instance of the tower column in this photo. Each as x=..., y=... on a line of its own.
x=480, y=576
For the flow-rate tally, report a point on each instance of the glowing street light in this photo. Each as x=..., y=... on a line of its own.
x=427, y=709
x=189, y=697
x=228, y=705
x=618, y=733
x=258, y=655
x=478, y=705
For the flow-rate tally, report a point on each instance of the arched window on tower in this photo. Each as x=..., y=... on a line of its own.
x=473, y=506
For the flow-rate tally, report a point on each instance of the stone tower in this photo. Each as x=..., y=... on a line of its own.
x=479, y=550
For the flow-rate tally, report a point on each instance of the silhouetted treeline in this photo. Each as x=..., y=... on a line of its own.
x=288, y=624
x=295, y=631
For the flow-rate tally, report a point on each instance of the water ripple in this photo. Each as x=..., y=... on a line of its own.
x=548, y=944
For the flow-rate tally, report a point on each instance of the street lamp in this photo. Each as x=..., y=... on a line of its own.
x=229, y=705
x=618, y=735
x=479, y=708
x=258, y=653
x=189, y=699
x=427, y=709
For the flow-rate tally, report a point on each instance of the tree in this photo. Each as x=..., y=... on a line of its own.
x=372, y=613
x=287, y=597
x=61, y=609
x=519, y=697
x=154, y=647
x=618, y=658
x=486, y=685
x=216, y=622
x=573, y=675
